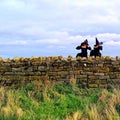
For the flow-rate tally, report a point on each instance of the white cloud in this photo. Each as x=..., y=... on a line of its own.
x=13, y=42
x=61, y=38
x=113, y=43
x=13, y=4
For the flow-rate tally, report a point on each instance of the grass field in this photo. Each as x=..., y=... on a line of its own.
x=59, y=102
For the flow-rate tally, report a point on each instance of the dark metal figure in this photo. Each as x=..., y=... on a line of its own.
x=97, y=47
x=84, y=47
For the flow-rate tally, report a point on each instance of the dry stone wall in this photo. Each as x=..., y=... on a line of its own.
x=90, y=72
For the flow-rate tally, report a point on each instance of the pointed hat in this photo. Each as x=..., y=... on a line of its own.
x=86, y=41
x=97, y=42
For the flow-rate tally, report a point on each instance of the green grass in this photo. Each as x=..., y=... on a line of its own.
x=58, y=102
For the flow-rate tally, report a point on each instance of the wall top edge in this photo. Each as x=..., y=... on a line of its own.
x=59, y=58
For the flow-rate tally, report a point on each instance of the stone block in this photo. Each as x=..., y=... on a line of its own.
x=99, y=74
x=92, y=77
x=82, y=76
x=14, y=73
x=100, y=65
x=103, y=86
x=103, y=81
x=104, y=77
x=41, y=68
x=19, y=69
x=94, y=81
x=93, y=86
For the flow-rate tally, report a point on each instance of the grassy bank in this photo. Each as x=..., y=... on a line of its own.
x=58, y=102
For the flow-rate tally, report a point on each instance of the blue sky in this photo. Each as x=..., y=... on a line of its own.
x=50, y=27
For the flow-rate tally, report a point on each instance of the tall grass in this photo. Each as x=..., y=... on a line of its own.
x=37, y=101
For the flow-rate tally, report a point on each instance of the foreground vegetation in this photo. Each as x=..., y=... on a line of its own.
x=58, y=102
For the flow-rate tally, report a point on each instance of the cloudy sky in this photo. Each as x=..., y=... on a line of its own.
x=55, y=27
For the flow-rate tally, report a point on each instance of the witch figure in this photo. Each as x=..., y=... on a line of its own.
x=97, y=47
x=84, y=47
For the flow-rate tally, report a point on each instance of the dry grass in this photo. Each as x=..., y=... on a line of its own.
x=108, y=100
x=104, y=95
x=92, y=111
x=2, y=95
x=76, y=116
x=9, y=104
x=72, y=80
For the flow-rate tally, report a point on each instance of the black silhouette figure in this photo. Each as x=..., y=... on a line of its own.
x=97, y=47
x=84, y=47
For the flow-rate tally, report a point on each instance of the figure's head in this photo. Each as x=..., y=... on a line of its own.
x=83, y=44
x=97, y=42
x=86, y=42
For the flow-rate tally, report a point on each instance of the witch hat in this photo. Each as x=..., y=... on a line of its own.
x=86, y=42
x=97, y=42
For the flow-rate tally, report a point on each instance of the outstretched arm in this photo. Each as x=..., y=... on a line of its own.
x=78, y=47
x=88, y=47
x=100, y=47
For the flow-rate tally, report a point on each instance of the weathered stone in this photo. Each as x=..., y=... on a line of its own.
x=82, y=76
x=100, y=65
x=103, y=81
x=92, y=77
x=104, y=77
x=18, y=69
x=14, y=73
x=96, y=81
x=93, y=86
x=90, y=72
x=99, y=74
x=103, y=86
x=41, y=68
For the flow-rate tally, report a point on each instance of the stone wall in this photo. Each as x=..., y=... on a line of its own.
x=90, y=72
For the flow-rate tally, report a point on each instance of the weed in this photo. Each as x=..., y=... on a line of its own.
x=58, y=102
